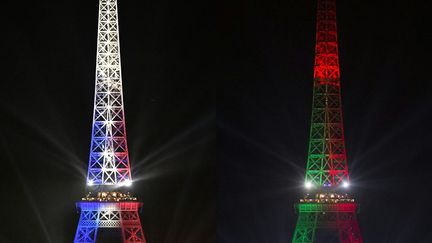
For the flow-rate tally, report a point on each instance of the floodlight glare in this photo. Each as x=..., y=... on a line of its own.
x=127, y=182
x=308, y=185
x=345, y=184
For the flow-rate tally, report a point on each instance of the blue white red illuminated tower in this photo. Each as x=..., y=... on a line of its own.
x=327, y=205
x=108, y=205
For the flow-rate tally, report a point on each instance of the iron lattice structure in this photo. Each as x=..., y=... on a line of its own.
x=327, y=163
x=327, y=167
x=109, y=166
x=107, y=214
x=109, y=159
x=328, y=211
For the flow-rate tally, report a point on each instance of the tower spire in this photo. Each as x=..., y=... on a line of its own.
x=326, y=68
x=107, y=205
x=327, y=205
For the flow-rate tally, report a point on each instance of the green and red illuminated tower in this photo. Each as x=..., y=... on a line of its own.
x=327, y=205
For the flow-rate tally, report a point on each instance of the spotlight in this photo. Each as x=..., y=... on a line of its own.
x=90, y=183
x=345, y=184
x=308, y=185
x=127, y=182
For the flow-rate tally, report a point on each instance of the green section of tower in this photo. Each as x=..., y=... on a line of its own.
x=326, y=163
x=344, y=222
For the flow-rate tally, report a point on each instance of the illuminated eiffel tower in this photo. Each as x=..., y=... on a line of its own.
x=327, y=206
x=108, y=204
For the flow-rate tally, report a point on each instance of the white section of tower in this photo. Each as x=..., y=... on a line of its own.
x=109, y=159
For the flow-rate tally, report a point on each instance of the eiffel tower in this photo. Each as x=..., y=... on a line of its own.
x=108, y=204
x=327, y=206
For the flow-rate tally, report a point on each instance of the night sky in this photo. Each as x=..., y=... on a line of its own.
x=218, y=101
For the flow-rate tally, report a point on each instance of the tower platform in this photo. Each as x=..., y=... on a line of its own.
x=329, y=211
x=109, y=210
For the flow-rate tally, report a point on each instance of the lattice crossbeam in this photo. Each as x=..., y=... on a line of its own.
x=333, y=216
x=95, y=215
x=109, y=159
x=326, y=163
x=327, y=167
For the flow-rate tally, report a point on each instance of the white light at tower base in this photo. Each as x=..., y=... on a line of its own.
x=127, y=182
x=308, y=185
x=345, y=184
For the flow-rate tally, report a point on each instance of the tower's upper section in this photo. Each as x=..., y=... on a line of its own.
x=326, y=67
x=327, y=166
x=109, y=159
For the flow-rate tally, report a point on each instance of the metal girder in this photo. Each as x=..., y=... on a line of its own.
x=326, y=163
x=327, y=167
x=344, y=221
x=109, y=159
x=95, y=215
x=326, y=48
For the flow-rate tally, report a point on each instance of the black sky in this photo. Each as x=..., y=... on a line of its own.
x=245, y=65
x=264, y=108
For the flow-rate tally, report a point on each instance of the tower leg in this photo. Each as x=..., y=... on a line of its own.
x=349, y=231
x=87, y=227
x=305, y=228
x=131, y=227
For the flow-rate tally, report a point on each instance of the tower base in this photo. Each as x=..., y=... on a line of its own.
x=327, y=211
x=109, y=210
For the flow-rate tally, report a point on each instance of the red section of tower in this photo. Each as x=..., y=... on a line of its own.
x=326, y=68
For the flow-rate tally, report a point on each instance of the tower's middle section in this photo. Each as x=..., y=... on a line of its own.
x=326, y=163
x=109, y=159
